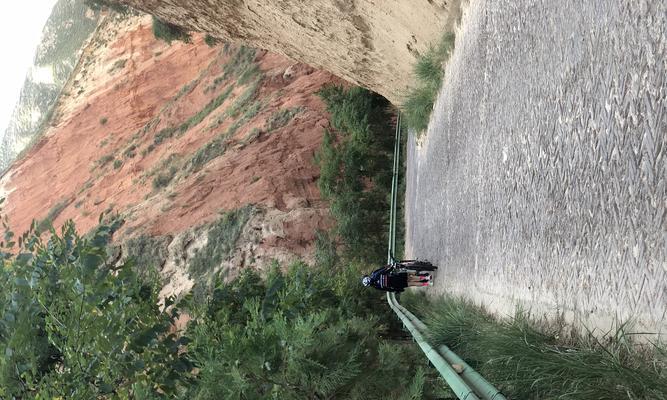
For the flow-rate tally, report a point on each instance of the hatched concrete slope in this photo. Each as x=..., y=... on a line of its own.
x=542, y=179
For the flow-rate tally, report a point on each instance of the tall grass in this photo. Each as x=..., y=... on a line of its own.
x=535, y=362
x=429, y=72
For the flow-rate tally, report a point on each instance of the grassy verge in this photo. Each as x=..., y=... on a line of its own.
x=527, y=361
x=429, y=71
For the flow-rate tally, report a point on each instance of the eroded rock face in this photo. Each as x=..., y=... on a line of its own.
x=371, y=43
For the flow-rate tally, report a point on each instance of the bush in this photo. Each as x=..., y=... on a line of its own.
x=73, y=327
x=355, y=174
x=163, y=179
x=169, y=32
x=281, y=118
x=211, y=41
x=222, y=237
x=117, y=164
x=293, y=336
x=211, y=150
x=429, y=72
x=54, y=212
x=104, y=120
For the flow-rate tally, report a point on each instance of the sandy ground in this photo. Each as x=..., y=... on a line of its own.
x=541, y=182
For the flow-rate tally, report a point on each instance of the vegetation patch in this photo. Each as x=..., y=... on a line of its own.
x=211, y=150
x=244, y=100
x=429, y=71
x=526, y=361
x=104, y=160
x=147, y=253
x=117, y=164
x=169, y=32
x=222, y=237
x=119, y=64
x=211, y=41
x=302, y=333
x=130, y=151
x=104, y=120
x=212, y=105
x=46, y=223
x=242, y=65
x=165, y=171
x=355, y=162
x=281, y=118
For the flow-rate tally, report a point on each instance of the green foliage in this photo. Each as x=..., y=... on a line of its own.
x=117, y=164
x=73, y=327
x=244, y=100
x=293, y=337
x=54, y=212
x=211, y=41
x=104, y=160
x=211, y=150
x=281, y=118
x=169, y=32
x=163, y=134
x=99, y=5
x=130, y=151
x=355, y=169
x=165, y=171
x=429, y=71
x=148, y=253
x=326, y=255
x=104, y=120
x=530, y=362
x=212, y=105
x=222, y=237
x=163, y=179
x=242, y=65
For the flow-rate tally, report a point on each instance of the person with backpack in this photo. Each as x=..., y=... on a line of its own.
x=390, y=280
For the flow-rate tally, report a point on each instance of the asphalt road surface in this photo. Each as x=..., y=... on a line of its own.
x=541, y=181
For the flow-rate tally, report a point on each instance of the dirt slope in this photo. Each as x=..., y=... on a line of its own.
x=171, y=135
x=367, y=42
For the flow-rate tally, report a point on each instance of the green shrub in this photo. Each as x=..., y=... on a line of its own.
x=148, y=253
x=242, y=64
x=281, y=118
x=429, y=72
x=222, y=237
x=104, y=160
x=293, y=336
x=355, y=173
x=46, y=223
x=169, y=32
x=104, y=120
x=117, y=164
x=209, y=108
x=75, y=328
x=163, y=179
x=130, y=151
x=211, y=41
x=211, y=150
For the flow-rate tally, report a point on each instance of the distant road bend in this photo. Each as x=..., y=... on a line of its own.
x=541, y=181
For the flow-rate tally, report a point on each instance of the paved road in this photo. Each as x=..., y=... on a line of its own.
x=542, y=179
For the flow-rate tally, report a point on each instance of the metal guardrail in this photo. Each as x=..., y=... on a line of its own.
x=466, y=383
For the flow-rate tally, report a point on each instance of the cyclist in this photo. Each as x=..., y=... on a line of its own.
x=387, y=279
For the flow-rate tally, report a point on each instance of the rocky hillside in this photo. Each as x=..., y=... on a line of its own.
x=369, y=43
x=66, y=31
x=202, y=150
